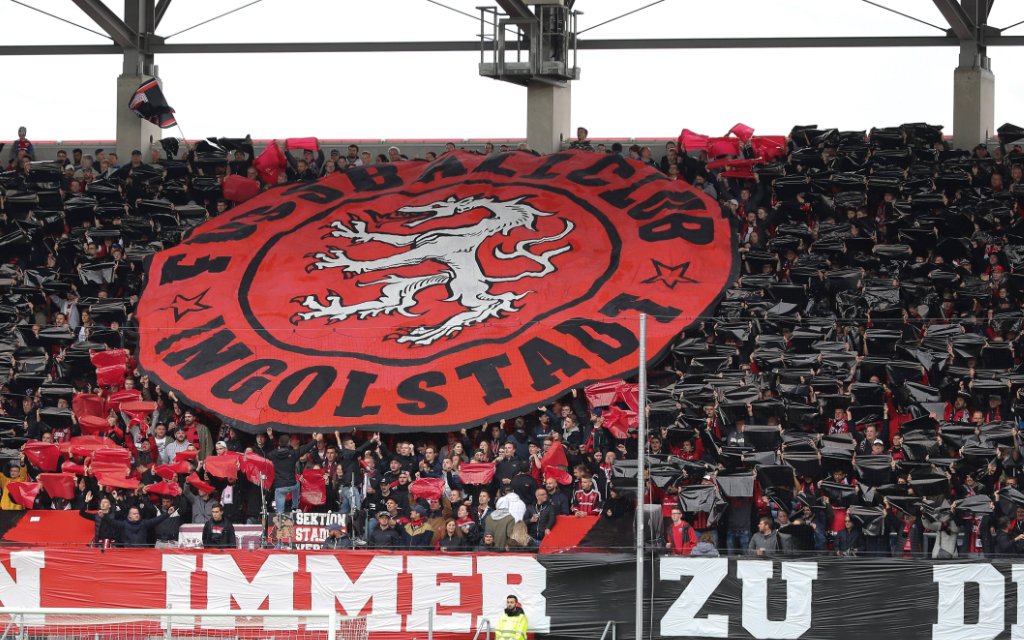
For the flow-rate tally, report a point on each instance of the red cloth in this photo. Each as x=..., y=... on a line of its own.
x=617, y=421
x=561, y=476
x=690, y=141
x=601, y=394
x=73, y=468
x=106, y=376
x=24, y=493
x=429, y=488
x=182, y=456
x=170, y=471
x=109, y=358
x=476, y=472
x=138, y=409
x=164, y=489
x=769, y=147
x=270, y=163
x=111, y=455
x=239, y=189
x=115, y=480
x=312, y=488
x=554, y=457
x=92, y=425
x=111, y=469
x=306, y=144
x=199, y=485
x=252, y=465
x=58, y=485
x=222, y=466
x=115, y=399
x=723, y=147
x=87, y=404
x=44, y=456
x=742, y=131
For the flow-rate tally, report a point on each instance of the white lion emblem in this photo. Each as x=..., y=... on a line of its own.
x=453, y=248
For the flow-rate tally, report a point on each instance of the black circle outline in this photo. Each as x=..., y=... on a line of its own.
x=250, y=273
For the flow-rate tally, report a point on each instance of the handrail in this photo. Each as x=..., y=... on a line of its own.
x=484, y=624
x=608, y=625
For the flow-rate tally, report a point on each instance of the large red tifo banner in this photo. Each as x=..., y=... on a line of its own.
x=434, y=295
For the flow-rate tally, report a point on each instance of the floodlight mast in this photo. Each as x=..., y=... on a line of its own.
x=535, y=48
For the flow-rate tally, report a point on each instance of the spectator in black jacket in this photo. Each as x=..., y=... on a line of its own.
x=167, y=530
x=540, y=516
x=385, y=535
x=218, y=532
x=134, y=532
x=285, y=457
x=351, y=478
x=106, y=532
x=850, y=541
x=1006, y=543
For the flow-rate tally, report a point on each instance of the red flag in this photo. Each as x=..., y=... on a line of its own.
x=306, y=144
x=164, y=489
x=92, y=425
x=110, y=469
x=629, y=395
x=109, y=358
x=199, y=485
x=561, y=476
x=769, y=147
x=24, y=493
x=72, y=468
x=734, y=163
x=182, y=456
x=555, y=456
x=138, y=408
x=270, y=163
x=239, y=189
x=313, y=487
x=690, y=141
x=87, y=404
x=112, y=455
x=617, y=421
x=115, y=399
x=254, y=465
x=601, y=394
x=723, y=147
x=222, y=466
x=476, y=472
x=58, y=485
x=115, y=480
x=44, y=456
x=106, y=376
x=742, y=131
x=741, y=174
x=429, y=488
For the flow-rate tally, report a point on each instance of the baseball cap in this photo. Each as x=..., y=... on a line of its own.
x=221, y=443
x=334, y=526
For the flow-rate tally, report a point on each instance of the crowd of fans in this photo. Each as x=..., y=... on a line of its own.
x=855, y=391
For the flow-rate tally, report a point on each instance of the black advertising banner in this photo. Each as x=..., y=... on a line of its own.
x=810, y=599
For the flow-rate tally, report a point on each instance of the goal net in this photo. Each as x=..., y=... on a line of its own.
x=184, y=624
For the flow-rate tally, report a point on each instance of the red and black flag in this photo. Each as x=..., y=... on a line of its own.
x=148, y=103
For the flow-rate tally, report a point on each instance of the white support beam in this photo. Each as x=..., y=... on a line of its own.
x=120, y=32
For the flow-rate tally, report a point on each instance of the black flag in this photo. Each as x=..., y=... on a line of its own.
x=148, y=103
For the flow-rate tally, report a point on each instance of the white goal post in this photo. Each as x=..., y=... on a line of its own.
x=178, y=624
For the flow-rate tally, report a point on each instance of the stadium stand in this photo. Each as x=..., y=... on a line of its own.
x=856, y=392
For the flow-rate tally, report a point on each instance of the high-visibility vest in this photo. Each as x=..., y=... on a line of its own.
x=511, y=627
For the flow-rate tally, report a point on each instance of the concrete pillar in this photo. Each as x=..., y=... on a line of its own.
x=974, y=91
x=132, y=131
x=548, y=109
x=974, y=106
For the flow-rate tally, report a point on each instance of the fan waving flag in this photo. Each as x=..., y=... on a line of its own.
x=148, y=103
